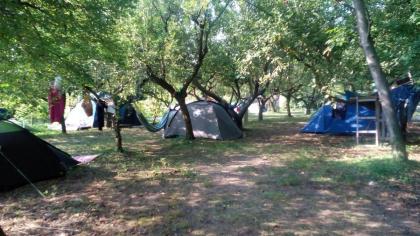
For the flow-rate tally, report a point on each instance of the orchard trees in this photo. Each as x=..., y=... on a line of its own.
x=42, y=39
x=172, y=43
x=231, y=51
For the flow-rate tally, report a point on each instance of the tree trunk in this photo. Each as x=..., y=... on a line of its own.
x=117, y=132
x=307, y=110
x=237, y=117
x=308, y=107
x=117, y=128
x=289, y=113
x=63, y=125
x=366, y=42
x=261, y=107
x=260, y=113
x=189, y=134
x=246, y=118
x=63, y=121
x=275, y=103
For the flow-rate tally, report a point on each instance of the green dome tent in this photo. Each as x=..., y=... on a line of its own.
x=26, y=158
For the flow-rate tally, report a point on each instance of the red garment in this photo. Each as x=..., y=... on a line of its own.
x=56, y=102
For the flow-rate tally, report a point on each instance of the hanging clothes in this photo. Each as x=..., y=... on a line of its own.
x=56, y=103
x=98, y=121
x=110, y=111
x=87, y=105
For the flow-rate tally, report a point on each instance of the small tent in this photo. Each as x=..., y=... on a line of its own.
x=21, y=152
x=81, y=116
x=209, y=120
x=128, y=116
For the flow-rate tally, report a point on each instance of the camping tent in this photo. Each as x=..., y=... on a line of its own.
x=21, y=152
x=209, y=120
x=404, y=97
x=79, y=118
x=128, y=116
x=324, y=121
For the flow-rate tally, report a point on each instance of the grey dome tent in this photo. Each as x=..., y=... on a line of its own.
x=23, y=155
x=209, y=120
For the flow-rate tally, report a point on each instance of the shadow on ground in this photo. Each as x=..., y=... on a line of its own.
x=275, y=181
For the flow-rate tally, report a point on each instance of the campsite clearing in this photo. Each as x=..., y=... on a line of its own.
x=275, y=181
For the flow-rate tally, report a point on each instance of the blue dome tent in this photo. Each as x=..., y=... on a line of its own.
x=324, y=121
x=404, y=97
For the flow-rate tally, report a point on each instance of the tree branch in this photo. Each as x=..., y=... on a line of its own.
x=211, y=24
x=162, y=82
x=27, y=4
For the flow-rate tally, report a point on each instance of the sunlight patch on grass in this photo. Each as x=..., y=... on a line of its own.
x=146, y=221
x=351, y=171
x=274, y=196
x=291, y=179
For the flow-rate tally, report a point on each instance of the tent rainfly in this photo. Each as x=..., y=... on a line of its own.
x=405, y=99
x=209, y=120
x=25, y=157
x=81, y=116
x=325, y=122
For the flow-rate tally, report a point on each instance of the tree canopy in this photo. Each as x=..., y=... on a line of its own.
x=232, y=51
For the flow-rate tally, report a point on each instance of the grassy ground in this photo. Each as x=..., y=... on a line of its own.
x=275, y=181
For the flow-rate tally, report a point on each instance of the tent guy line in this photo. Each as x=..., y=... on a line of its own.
x=21, y=173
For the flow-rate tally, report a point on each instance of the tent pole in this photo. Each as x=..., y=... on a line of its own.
x=21, y=173
x=357, y=120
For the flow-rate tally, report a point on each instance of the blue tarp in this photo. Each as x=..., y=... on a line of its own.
x=405, y=99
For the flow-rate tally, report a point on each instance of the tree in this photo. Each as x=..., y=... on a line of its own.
x=173, y=43
x=262, y=101
x=50, y=38
x=119, y=82
x=310, y=96
x=244, y=42
x=289, y=81
x=43, y=39
x=366, y=42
